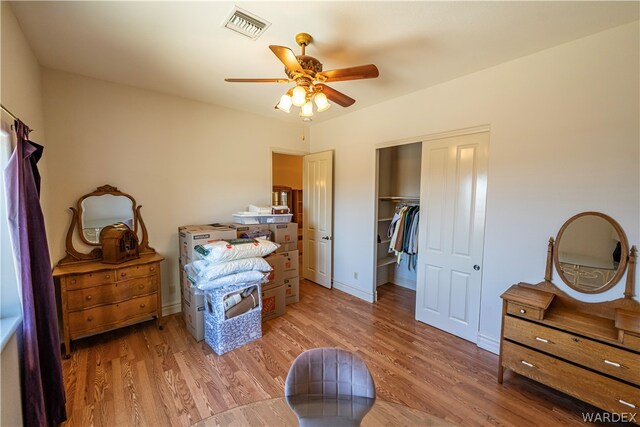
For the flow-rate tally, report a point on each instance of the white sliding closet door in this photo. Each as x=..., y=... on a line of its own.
x=452, y=213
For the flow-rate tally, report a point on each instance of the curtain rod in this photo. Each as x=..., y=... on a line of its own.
x=13, y=116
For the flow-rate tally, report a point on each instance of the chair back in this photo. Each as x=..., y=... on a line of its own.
x=329, y=372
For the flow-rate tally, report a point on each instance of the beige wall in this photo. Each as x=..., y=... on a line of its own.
x=564, y=139
x=287, y=170
x=185, y=162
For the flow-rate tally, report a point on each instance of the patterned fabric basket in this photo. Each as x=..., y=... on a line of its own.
x=224, y=335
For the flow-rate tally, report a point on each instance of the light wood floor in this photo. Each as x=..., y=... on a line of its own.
x=144, y=376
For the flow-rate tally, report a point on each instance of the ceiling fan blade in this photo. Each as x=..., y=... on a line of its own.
x=257, y=80
x=369, y=71
x=335, y=96
x=287, y=57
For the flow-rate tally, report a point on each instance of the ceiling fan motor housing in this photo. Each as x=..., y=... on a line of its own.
x=309, y=64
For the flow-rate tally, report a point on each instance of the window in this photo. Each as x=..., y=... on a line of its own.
x=10, y=307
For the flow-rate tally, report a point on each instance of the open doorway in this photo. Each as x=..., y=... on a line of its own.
x=286, y=179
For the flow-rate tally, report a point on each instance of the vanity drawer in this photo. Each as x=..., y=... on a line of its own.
x=137, y=271
x=522, y=310
x=100, y=318
x=603, y=392
x=603, y=358
x=107, y=294
x=80, y=281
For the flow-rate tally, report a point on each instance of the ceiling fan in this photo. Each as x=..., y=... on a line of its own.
x=306, y=72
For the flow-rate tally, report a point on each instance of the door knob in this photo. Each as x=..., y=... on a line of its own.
x=326, y=238
x=476, y=267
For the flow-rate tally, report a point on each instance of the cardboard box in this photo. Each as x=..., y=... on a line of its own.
x=189, y=294
x=222, y=334
x=193, y=315
x=273, y=302
x=291, y=261
x=287, y=247
x=276, y=277
x=284, y=233
x=252, y=230
x=193, y=235
x=292, y=290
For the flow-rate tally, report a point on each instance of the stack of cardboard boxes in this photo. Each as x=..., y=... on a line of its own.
x=282, y=288
x=193, y=304
x=285, y=261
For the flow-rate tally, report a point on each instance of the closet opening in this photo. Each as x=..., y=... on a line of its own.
x=286, y=181
x=397, y=215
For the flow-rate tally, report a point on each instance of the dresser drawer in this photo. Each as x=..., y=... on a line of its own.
x=100, y=318
x=80, y=281
x=598, y=390
x=604, y=358
x=107, y=294
x=127, y=273
x=524, y=310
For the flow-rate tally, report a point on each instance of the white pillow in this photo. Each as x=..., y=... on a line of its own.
x=230, y=250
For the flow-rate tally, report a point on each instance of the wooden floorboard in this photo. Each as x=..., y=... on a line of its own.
x=142, y=376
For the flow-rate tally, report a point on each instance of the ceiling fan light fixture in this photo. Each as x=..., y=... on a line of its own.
x=307, y=109
x=285, y=103
x=299, y=96
x=322, y=102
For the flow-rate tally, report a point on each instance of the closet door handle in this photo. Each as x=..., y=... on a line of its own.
x=326, y=238
x=476, y=267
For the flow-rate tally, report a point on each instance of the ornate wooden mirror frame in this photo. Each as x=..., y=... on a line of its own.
x=76, y=224
x=628, y=258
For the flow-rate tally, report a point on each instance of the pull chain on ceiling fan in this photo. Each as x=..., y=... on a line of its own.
x=306, y=72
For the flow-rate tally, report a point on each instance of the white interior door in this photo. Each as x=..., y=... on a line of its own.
x=317, y=190
x=452, y=213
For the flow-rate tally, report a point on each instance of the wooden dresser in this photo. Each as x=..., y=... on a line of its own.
x=590, y=351
x=98, y=297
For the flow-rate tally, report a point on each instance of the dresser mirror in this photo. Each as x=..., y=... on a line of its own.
x=96, y=210
x=99, y=211
x=591, y=252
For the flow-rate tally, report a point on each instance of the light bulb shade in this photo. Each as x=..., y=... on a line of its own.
x=307, y=110
x=299, y=96
x=322, y=102
x=285, y=103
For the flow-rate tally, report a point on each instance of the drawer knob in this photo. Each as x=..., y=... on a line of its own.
x=542, y=340
x=89, y=297
x=523, y=311
x=143, y=305
x=524, y=362
x=631, y=405
x=89, y=319
x=141, y=286
x=73, y=281
x=123, y=274
x=152, y=269
x=608, y=362
x=108, y=276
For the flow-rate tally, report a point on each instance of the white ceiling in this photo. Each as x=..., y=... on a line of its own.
x=181, y=48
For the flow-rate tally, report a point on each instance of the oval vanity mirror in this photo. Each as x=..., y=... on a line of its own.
x=591, y=252
x=98, y=212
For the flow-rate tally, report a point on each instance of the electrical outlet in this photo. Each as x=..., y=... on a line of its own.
x=355, y=275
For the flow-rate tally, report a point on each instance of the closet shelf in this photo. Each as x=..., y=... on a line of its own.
x=397, y=198
x=386, y=261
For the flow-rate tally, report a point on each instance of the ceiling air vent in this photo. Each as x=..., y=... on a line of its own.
x=246, y=23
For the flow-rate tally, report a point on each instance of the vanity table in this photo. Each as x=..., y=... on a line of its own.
x=590, y=351
x=96, y=296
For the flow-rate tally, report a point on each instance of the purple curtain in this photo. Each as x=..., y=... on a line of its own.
x=43, y=398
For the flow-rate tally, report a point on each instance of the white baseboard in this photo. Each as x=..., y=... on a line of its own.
x=173, y=308
x=353, y=291
x=488, y=343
